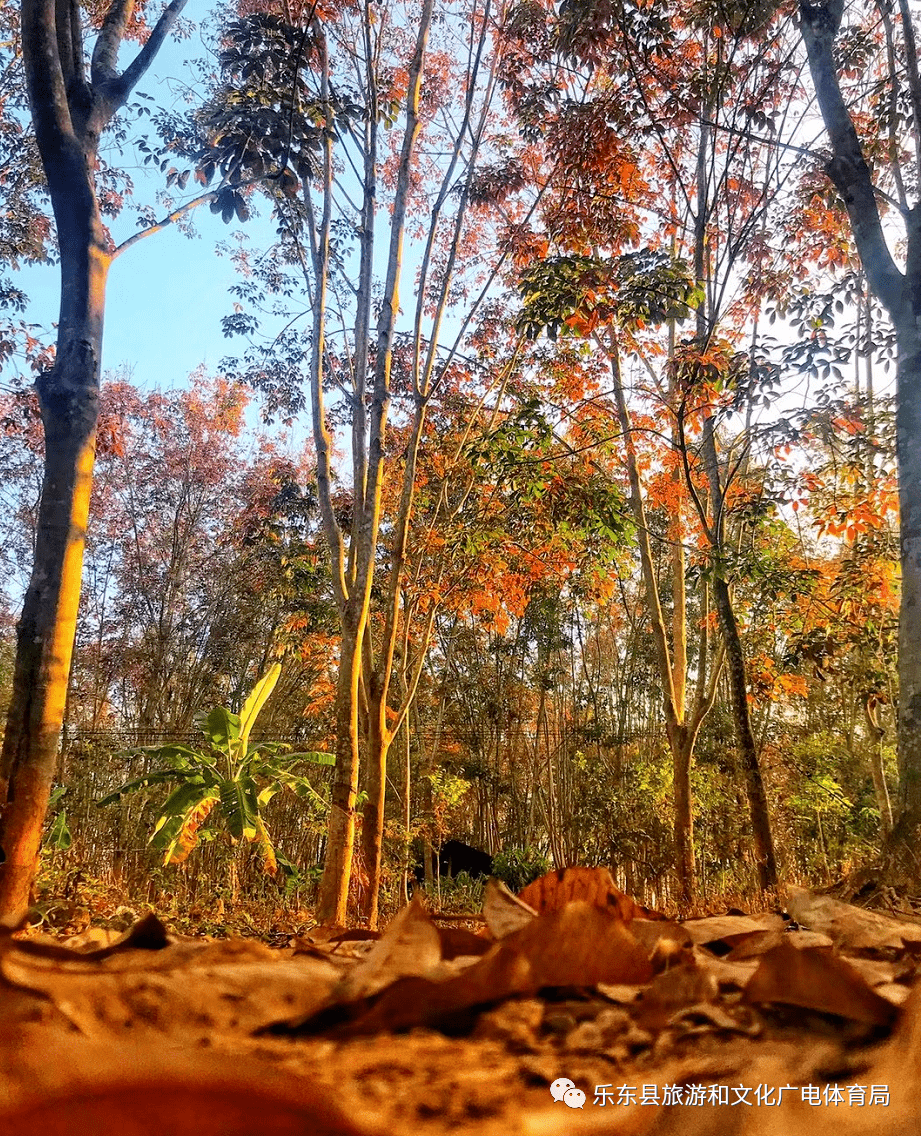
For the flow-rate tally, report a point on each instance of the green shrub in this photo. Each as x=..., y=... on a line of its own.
x=518, y=867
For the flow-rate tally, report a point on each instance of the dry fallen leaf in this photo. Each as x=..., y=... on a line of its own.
x=849, y=926
x=458, y=942
x=503, y=911
x=410, y=946
x=674, y=990
x=579, y=945
x=666, y=943
x=816, y=979
x=142, y=1092
x=588, y=885
x=730, y=929
x=231, y=985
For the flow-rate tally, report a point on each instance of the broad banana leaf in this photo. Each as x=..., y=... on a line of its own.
x=255, y=702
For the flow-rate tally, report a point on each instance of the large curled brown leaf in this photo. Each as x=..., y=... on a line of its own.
x=588, y=885
x=816, y=979
x=228, y=985
x=578, y=945
x=503, y=911
x=409, y=946
x=853, y=927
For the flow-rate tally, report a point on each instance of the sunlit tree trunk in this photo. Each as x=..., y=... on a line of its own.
x=681, y=726
x=70, y=109
x=353, y=576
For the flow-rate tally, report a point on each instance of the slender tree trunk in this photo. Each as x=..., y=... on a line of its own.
x=332, y=902
x=908, y=448
x=745, y=738
x=372, y=828
x=876, y=734
x=681, y=726
x=738, y=683
x=407, y=813
x=681, y=746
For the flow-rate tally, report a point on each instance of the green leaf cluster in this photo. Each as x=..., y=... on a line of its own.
x=229, y=777
x=571, y=294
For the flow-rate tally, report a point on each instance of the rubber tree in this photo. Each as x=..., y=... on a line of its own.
x=382, y=97
x=72, y=103
x=702, y=204
x=683, y=717
x=899, y=291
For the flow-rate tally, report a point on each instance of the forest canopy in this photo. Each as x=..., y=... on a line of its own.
x=565, y=452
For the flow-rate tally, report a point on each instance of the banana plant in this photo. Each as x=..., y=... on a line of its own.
x=227, y=777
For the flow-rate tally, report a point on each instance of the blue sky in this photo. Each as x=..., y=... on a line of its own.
x=167, y=294
x=165, y=300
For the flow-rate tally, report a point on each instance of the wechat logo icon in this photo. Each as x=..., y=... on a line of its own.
x=565, y=1090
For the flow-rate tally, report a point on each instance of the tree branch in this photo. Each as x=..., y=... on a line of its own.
x=169, y=219
x=848, y=169
x=70, y=52
x=133, y=72
x=44, y=76
x=914, y=79
x=109, y=40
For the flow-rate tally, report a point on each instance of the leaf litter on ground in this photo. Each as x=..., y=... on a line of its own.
x=572, y=978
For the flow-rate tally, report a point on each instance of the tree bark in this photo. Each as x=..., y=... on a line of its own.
x=876, y=733
x=908, y=450
x=332, y=902
x=69, y=111
x=900, y=294
x=765, y=858
x=738, y=684
x=681, y=726
x=372, y=827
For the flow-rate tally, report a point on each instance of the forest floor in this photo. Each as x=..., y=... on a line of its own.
x=738, y=1023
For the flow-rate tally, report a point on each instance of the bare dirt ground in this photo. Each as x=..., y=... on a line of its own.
x=745, y=1023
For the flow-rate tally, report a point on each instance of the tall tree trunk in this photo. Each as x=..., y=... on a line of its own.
x=715, y=529
x=332, y=902
x=738, y=683
x=372, y=829
x=876, y=734
x=70, y=109
x=681, y=744
x=765, y=859
x=900, y=294
x=681, y=726
x=45, y=636
x=908, y=448
x=69, y=400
